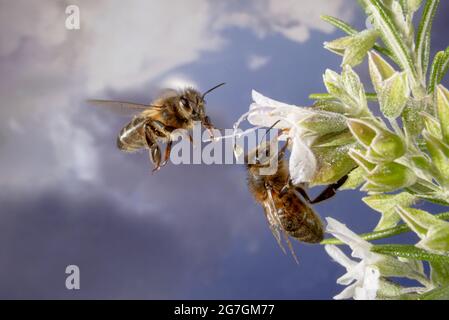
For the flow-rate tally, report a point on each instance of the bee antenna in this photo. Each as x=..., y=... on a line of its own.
x=212, y=89
x=268, y=130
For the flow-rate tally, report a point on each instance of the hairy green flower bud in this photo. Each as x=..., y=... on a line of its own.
x=433, y=232
x=363, y=131
x=394, y=95
x=333, y=163
x=339, y=45
x=439, y=152
x=348, y=89
x=379, y=70
x=391, y=176
x=353, y=48
x=382, y=145
x=432, y=125
x=388, y=146
x=361, y=160
x=323, y=122
x=443, y=111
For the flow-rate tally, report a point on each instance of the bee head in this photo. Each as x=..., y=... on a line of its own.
x=192, y=103
x=261, y=156
x=266, y=153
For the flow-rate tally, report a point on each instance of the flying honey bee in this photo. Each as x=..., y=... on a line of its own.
x=287, y=207
x=156, y=121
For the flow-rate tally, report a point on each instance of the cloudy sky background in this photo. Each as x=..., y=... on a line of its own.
x=68, y=196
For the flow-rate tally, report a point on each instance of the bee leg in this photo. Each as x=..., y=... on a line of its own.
x=330, y=190
x=284, y=191
x=303, y=193
x=290, y=186
x=155, y=151
x=167, y=153
x=208, y=125
x=161, y=129
x=163, y=132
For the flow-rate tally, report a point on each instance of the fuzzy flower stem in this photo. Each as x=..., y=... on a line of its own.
x=386, y=233
x=326, y=96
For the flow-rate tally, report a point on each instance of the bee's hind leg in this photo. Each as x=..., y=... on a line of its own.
x=167, y=153
x=290, y=186
x=163, y=131
x=155, y=151
x=330, y=190
x=327, y=193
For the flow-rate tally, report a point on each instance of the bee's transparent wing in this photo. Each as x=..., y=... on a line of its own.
x=273, y=220
x=275, y=225
x=166, y=93
x=122, y=107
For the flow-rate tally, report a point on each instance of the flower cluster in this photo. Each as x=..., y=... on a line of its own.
x=398, y=154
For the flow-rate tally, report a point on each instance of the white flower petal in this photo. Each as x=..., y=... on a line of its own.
x=290, y=116
x=360, y=247
x=355, y=273
x=302, y=164
x=370, y=285
x=261, y=100
x=362, y=277
x=338, y=256
x=347, y=293
x=266, y=117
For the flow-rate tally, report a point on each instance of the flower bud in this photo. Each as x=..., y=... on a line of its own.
x=394, y=95
x=333, y=163
x=382, y=145
x=323, y=122
x=443, y=111
x=439, y=152
x=379, y=70
x=360, y=159
x=432, y=125
x=433, y=232
x=334, y=139
x=391, y=176
x=437, y=239
x=412, y=118
x=363, y=131
x=339, y=45
x=348, y=89
x=388, y=146
x=353, y=48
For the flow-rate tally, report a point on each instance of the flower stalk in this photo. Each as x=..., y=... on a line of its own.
x=395, y=148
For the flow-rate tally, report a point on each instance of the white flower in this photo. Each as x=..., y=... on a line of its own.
x=362, y=277
x=264, y=112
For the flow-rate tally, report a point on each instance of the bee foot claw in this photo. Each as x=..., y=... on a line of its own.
x=284, y=191
x=155, y=170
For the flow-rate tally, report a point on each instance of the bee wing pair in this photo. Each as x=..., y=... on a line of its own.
x=125, y=108
x=122, y=107
x=275, y=225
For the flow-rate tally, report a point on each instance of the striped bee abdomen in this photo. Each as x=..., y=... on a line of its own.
x=298, y=219
x=132, y=136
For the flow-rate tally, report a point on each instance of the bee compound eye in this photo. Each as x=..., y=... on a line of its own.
x=185, y=103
